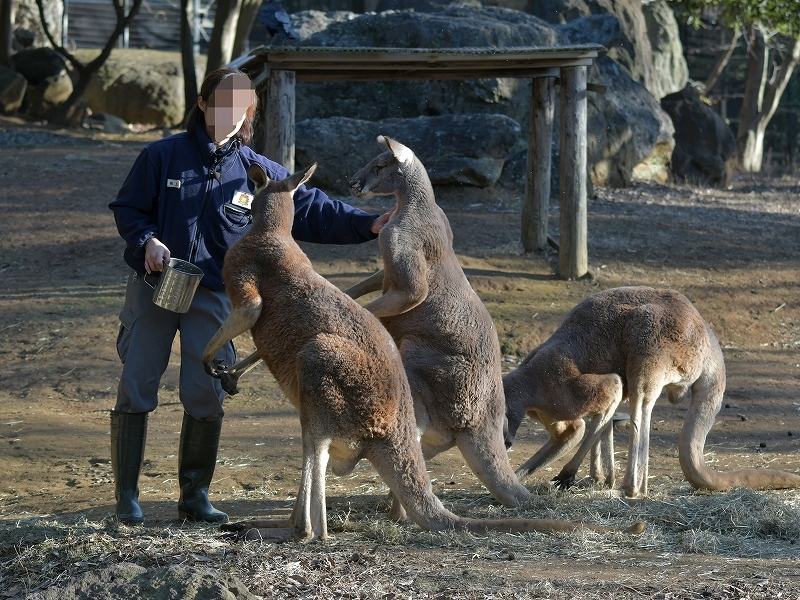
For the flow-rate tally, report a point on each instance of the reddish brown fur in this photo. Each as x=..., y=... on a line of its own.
x=445, y=334
x=627, y=343
x=338, y=366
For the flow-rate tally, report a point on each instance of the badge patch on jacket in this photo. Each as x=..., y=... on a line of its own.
x=174, y=183
x=242, y=199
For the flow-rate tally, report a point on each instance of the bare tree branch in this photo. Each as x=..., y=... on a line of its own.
x=722, y=61
x=775, y=90
x=85, y=72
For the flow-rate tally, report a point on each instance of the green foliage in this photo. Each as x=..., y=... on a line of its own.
x=780, y=16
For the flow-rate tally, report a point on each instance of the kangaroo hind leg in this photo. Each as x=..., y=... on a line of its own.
x=603, y=393
x=601, y=461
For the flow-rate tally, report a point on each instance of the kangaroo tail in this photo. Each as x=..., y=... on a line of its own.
x=539, y=525
x=704, y=405
x=404, y=472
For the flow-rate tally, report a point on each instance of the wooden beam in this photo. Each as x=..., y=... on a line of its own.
x=277, y=102
x=573, y=256
x=537, y=183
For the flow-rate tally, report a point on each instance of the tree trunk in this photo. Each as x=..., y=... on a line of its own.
x=187, y=56
x=6, y=32
x=220, y=46
x=247, y=17
x=66, y=112
x=761, y=98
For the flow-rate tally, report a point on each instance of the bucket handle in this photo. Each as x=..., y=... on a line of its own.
x=144, y=278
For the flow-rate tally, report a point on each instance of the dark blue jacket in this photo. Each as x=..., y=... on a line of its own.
x=172, y=193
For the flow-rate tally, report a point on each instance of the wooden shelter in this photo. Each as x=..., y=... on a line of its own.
x=275, y=70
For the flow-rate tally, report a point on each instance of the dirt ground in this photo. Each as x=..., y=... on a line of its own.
x=734, y=253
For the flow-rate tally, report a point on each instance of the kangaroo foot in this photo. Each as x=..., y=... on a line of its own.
x=564, y=481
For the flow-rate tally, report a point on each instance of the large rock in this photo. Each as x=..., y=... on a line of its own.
x=669, y=64
x=139, y=86
x=632, y=50
x=128, y=580
x=453, y=28
x=626, y=125
x=38, y=64
x=455, y=149
x=705, y=147
x=27, y=17
x=12, y=90
x=42, y=100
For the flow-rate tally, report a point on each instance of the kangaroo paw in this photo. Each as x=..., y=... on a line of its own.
x=218, y=370
x=229, y=383
x=564, y=481
x=214, y=368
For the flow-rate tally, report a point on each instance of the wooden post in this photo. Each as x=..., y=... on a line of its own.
x=276, y=99
x=573, y=255
x=537, y=183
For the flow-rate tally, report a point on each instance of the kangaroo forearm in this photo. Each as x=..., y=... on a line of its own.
x=373, y=283
x=393, y=302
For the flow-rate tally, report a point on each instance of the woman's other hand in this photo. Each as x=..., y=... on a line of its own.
x=378, y=223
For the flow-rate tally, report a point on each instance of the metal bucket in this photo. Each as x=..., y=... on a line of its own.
x=176, y=286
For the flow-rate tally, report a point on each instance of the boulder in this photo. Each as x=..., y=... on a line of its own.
x=626, y=126
x=43, y=99
x=107, y=123
x=12, y=90
x=632, y=50
x=23, y=38
x=138, y=86
x=27, y=17
x=454, y=28
x=467, y=149
x=669, y=64
x=38, y=64
x=705, y=147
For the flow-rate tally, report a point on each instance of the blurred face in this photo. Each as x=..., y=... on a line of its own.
x=226, y=109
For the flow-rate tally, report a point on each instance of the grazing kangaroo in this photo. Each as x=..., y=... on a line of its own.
x=340, y=369
x=629, y=342
x=445, y=335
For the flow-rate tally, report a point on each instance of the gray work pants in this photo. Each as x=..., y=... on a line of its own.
x=145, y=341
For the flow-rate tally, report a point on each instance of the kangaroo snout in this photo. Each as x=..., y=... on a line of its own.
x=357, y=187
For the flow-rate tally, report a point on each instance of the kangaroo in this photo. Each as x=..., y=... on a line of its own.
x=340, y=369
x=446, y=337
x=626, y=343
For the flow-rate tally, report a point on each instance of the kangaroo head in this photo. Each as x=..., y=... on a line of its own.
x=386, y=173
x=275, y=197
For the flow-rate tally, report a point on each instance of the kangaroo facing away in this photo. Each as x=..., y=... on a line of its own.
x=445, y=335
x=626, y=343
x=340, y=369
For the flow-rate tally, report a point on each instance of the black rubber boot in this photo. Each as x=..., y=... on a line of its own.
x=128, y=436
x=197, y=457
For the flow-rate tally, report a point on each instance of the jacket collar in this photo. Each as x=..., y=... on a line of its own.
x=215, y=156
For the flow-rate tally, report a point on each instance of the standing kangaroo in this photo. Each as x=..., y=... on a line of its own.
x=445, y=335
x=340, y=369
x=629, y=342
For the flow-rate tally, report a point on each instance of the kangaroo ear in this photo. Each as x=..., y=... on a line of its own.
x=258, y=176
x=299, y=178
x=403, y=154
x=382, y=143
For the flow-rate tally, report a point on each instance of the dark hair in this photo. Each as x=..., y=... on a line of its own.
x=196, y=117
